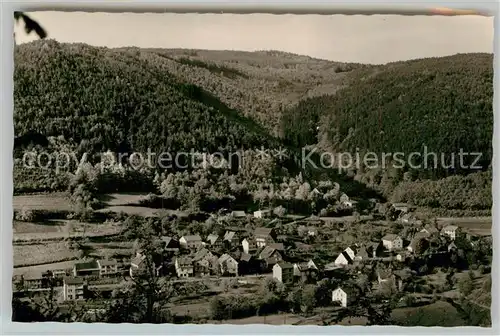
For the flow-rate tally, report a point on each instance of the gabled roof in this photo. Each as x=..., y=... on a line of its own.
x=450, y=228
x=225, y=257
x=212, y=238
x=168, y=240
x=277, y=246
x=284, y=265
x=246, y=257
x=201, y=254
x=430, y=228
x=390, y=237
x=87, y=265
x=267, y=252
x=138, y=260
x=238, y=213
x=263, y=231
x=349, y=290
x=229, y=235
x=192, y=238
x=346, y=256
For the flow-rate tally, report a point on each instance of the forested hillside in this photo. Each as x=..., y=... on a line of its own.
x=442, y=104
x=100, y=99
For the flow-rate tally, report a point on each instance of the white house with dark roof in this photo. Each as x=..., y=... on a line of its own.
x=249, y=245
x=190, y=241
x=184, y=267
x=343, y=295
x=392, y=242
x=108, y=267
x=169, y=244
x=343, y=260
x=450, y=231
x=264, y=236
x=228, y=265
x=283, y=272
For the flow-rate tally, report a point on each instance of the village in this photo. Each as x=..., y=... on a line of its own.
x=290, y=250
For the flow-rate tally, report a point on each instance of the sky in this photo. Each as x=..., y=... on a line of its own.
x=355, y=38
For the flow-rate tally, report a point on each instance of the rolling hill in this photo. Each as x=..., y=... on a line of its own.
x=102, y=99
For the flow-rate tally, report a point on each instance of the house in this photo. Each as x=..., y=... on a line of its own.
x=74, y=288
x=170, y=244
x=368, y=251
x=429, y=230
x=238, y=214
x=305, y=271
x=248, y=264
x=407, y=218
x=277, y=246
x=108, y=267
x=343, y=260
x=137, y=264
x=231, y=238
x=262, y=213
x=205, y=262
x=403, y=207
x=184, y=267
x=264, y=236
x=450, y=231
x=344, y=295
x=350, y=252
x=283, y=272
x=392, y=242
x=86, y=268
x=190, y=242
x=228, y=265
x=213, y=240
x=270, y=256
x=418, y=243
x=249, y=245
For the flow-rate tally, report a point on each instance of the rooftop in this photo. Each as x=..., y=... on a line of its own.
x=87, y=265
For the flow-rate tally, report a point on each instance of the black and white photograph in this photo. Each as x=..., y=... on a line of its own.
x=235, y=169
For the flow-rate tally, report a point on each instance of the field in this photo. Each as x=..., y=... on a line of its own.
x=47, y=252
x=53, y=201
x=61, y=229
x=476, y=225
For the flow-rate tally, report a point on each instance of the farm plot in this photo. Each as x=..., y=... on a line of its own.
x=475, y=225
x=49, y=202
x=61, y=229
x=36, y=254
x=117, y=199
